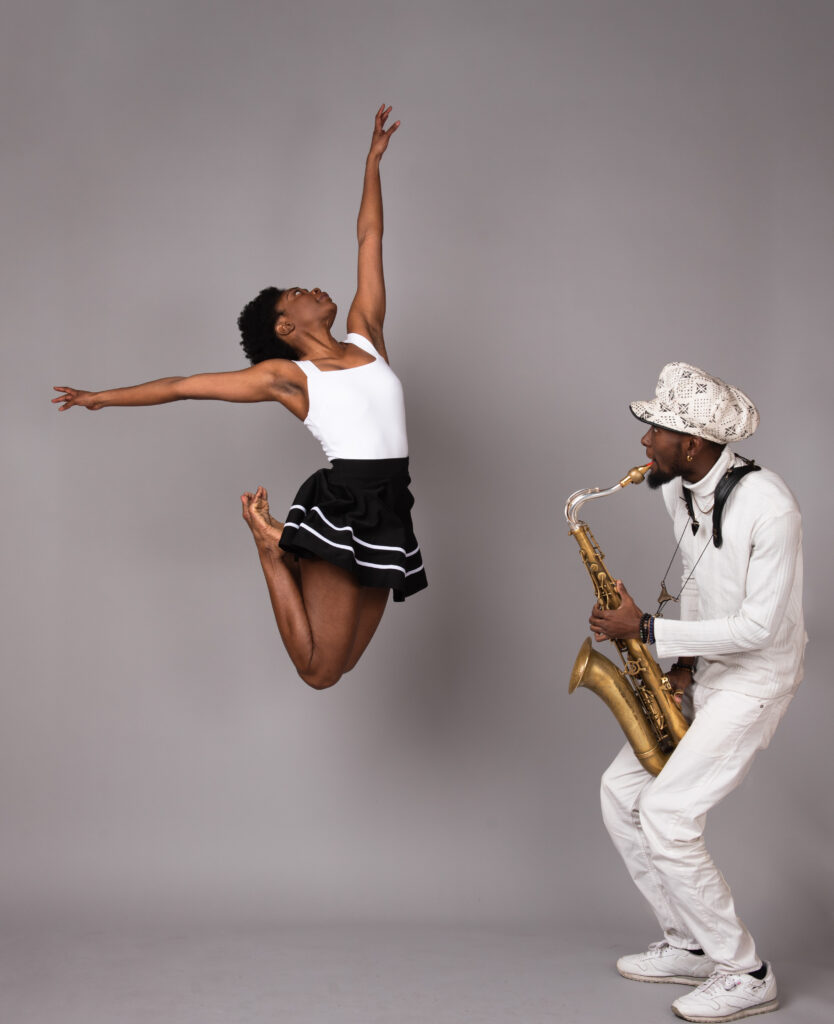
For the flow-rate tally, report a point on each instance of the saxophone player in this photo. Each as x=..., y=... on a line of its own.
x=738, y=651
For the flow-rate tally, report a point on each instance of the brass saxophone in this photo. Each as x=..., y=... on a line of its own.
x=639, y=694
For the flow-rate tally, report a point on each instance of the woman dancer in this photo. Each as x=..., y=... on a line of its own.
x=348, y=537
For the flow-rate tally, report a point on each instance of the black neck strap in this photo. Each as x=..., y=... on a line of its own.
x=725, y=486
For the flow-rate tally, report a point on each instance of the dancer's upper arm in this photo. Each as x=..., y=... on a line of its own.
x=367, y=311
x=272, y=380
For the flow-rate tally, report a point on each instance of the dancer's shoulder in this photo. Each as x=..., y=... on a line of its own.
x=280, y=370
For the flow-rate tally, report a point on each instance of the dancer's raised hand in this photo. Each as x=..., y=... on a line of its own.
x=381, y=135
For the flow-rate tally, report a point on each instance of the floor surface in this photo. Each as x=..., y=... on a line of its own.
x=60, y=972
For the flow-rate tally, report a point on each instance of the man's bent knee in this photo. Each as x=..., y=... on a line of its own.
x=613, y=796
x=668, y=829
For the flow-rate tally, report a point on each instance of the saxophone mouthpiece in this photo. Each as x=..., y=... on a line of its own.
x=636, y=475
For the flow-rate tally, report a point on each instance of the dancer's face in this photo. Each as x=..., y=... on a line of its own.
x=666, y=450
x=305, y=308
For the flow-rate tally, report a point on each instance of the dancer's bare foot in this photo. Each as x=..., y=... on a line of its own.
x=265, y=529
x=262, y=508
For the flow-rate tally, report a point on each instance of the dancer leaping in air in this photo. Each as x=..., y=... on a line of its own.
x=348, y=537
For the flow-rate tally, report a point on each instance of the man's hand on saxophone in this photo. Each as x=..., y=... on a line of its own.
x=680, y=677
x=621, y=623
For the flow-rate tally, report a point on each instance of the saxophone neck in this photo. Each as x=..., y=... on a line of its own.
x=575, y=502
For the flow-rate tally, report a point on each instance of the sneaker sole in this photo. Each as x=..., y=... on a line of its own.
x=661, y=979
x=751, y=1011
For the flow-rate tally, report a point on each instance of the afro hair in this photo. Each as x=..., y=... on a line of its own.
x=257, y=328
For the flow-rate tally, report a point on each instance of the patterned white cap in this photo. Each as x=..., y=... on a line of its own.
x=692, y=402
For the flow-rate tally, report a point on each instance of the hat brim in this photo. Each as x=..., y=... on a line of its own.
x=651, y=414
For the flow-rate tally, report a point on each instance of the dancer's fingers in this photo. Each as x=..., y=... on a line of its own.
x=382, y=116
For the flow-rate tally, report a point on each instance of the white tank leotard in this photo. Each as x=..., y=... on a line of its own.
x=358, y=413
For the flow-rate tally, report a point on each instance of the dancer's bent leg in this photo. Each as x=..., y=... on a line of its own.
x=343, y=616
x=373, y=601
x=323, y=615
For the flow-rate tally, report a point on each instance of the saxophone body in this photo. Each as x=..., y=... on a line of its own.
x=638, y=694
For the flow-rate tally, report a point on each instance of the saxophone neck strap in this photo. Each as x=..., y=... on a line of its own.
x=731, y=479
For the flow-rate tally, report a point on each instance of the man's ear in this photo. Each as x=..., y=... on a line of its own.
x=691, y=447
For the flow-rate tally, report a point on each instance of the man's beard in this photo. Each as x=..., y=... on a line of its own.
x=657, y=477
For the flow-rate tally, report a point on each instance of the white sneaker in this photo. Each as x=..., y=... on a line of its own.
x=665, y=963
x=728, y=997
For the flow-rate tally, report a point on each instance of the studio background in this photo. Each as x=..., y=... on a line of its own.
x=579, y=193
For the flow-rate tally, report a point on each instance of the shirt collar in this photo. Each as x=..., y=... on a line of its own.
x=704, y=487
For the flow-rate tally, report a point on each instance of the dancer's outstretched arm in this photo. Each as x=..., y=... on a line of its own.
x=273, y=380
x=367, y=312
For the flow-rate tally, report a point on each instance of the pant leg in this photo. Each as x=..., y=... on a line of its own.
x=620, y=792
x=709, y=763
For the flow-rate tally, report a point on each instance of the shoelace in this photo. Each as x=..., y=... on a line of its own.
x=659, y=947
x=727, y=981
x=663, y=947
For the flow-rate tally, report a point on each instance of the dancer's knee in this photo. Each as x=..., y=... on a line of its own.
x=320, y=679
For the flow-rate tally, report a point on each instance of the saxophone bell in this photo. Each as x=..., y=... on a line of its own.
x=601, y=676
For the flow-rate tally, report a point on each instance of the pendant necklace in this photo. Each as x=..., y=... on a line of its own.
x=665, y=597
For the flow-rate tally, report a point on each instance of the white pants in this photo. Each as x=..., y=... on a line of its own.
x=657, y=824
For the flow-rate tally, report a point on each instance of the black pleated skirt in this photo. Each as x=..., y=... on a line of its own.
x=357, y=515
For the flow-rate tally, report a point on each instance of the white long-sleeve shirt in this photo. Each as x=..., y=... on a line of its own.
x=741, y=611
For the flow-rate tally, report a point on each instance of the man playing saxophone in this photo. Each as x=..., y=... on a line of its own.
x=738, y=651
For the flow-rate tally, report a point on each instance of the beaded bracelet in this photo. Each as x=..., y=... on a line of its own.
x=647, y=628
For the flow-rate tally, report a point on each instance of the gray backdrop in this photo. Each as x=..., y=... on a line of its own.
x=579, y=193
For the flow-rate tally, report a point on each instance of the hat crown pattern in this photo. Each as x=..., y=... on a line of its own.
x=691, y=401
